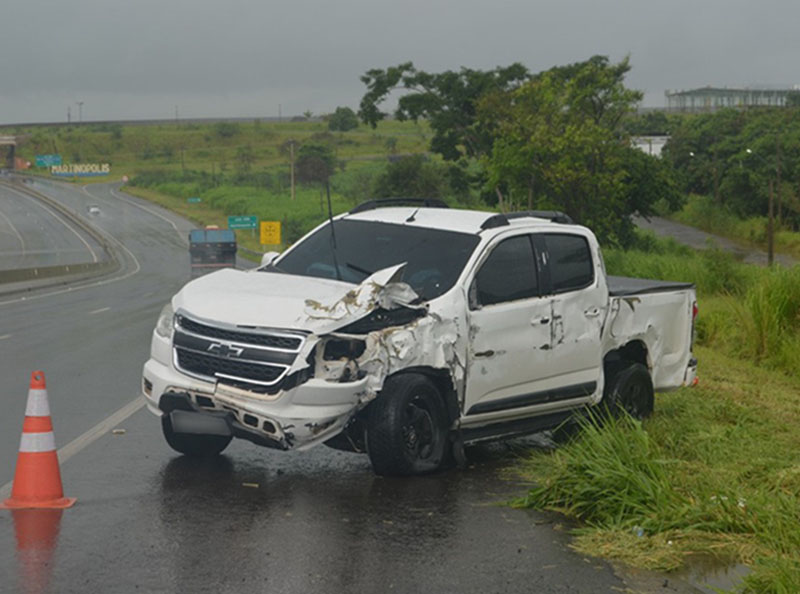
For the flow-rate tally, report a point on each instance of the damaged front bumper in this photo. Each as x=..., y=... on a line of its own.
x=298, y=418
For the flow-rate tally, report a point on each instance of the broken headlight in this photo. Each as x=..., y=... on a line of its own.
x=383, y=318
x=343, y=348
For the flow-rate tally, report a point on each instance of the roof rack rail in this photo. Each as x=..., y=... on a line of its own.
x=381, y=202
x=554, y=216
x=500, y=220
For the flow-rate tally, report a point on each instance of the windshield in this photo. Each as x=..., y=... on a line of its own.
x=435, y=258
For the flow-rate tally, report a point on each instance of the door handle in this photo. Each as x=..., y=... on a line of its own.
x=485, y=353
x=542, y=320
x=592, y=313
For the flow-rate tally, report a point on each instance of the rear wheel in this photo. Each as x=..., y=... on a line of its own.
x=407, y=427
x=193, y=444
x=630, y=389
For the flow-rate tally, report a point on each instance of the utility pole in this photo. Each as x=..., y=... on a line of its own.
x=770, y=230
x=778, y=173
x=69, y=114
x=80, y=111
x=279, y=113
x=291, y=161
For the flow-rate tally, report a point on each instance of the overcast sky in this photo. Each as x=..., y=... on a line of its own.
x=138, y=59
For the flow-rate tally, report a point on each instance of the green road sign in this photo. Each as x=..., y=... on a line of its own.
x=48, y=160
x=242, y=222
x=194, y=200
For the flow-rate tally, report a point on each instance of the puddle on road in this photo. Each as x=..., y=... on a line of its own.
x=711, y=575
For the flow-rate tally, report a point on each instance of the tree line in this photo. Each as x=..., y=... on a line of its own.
x=561, y=139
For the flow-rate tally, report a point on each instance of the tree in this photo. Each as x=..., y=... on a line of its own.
x=245, y=157
x=413, y=177
x=315, y=163
x=342, y=120
x=448, y=100
x=559, y=144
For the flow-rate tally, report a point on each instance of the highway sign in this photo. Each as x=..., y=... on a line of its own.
x=48, y=160
x=194, y=200
x=270, y=232
x=243, y=222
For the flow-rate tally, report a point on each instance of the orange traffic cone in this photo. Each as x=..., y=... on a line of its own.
x=37, y=480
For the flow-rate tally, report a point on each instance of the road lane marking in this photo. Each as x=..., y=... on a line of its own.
x=4, y=336
x=92, y=435
x=59, y=219
x=97, y=311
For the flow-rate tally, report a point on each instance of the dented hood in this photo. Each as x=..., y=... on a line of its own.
x=275, y=300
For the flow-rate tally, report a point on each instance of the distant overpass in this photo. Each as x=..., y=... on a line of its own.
x=11, y=142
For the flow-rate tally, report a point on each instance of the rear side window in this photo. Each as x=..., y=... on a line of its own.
x=570, y=262
x=508, y=274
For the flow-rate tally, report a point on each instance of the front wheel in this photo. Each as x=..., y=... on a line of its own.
x=192, y=444
x=407, y=427
x=629, y=389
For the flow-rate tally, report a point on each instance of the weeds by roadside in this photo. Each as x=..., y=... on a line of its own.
x=716, y=469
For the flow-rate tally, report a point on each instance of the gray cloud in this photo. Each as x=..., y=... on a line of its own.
x=243, y=57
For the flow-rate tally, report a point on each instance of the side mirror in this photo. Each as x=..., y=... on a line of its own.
x=268, y=258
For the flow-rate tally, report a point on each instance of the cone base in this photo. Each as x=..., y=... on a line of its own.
x=60, y=503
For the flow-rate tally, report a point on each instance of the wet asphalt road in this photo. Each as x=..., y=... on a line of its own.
x=254, y=519
x=257, y=520
x=701, y=240
x=32, y=234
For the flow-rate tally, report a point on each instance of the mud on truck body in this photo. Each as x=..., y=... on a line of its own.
x=407, y=332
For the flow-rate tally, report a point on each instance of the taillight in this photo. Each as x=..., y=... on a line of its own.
x=695, y=310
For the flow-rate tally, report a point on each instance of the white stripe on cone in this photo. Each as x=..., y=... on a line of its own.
x=37, y=404
x=37, y=442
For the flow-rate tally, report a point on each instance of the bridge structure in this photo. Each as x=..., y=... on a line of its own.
x=11, y=143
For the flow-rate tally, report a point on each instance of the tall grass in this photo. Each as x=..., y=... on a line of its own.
x=716, y=469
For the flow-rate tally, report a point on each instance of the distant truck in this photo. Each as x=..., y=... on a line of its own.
x=211, y=249
x=414, y=332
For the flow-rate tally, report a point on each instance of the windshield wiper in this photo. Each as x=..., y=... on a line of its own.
x=363, y=271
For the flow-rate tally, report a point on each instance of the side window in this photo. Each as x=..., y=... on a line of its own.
x=508, y=274
x=570, y=262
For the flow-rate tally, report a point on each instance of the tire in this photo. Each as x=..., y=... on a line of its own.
x=407, y=427
x=192, y=444
x=630, y=389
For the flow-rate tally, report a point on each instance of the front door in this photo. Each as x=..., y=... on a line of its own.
x=510, y=329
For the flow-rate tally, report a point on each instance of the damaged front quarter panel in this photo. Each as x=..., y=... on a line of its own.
x=387, y=330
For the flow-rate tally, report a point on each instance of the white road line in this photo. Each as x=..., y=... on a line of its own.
x=60, y=220
x=92, y=435
x=4, y=336
x=14, y=229
x=97, y=311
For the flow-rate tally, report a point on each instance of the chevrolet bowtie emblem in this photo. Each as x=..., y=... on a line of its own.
x=224, y=350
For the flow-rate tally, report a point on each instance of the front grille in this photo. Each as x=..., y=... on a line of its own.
x=212, y=366
x=288, y=343
x=255, y=361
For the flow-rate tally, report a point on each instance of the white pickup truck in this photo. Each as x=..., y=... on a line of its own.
x=407, y=332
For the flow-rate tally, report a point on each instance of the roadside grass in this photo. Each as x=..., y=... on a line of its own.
x=715, y=471
x=211, y=147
